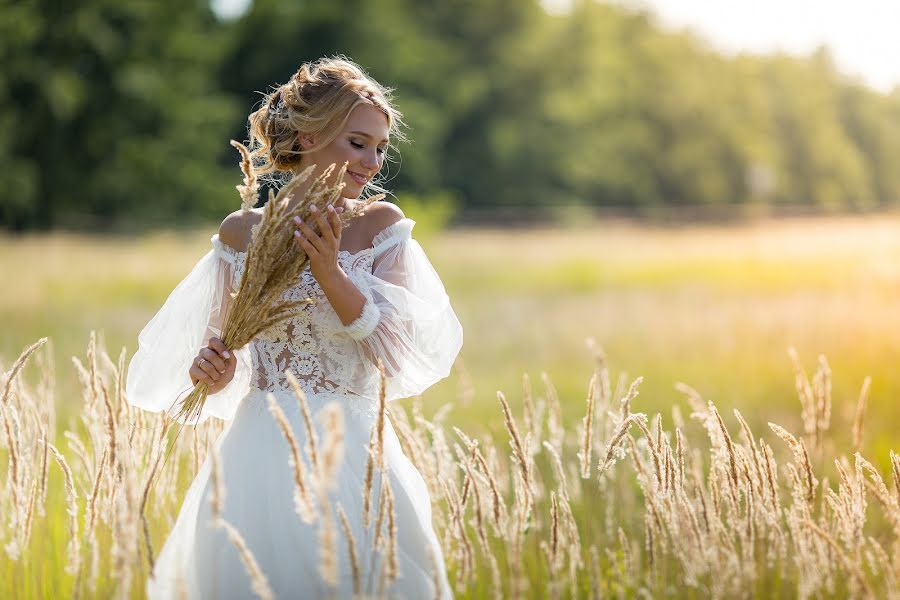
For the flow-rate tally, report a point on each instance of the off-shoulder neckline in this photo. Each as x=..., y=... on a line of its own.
x=378, y=239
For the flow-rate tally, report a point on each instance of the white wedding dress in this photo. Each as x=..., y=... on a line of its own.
x=407, y=322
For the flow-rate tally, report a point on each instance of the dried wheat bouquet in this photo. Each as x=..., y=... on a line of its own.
x=274, y=261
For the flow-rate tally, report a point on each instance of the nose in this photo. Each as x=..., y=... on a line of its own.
x=370, y=160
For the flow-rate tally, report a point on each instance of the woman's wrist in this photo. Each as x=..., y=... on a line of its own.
x=334, y=280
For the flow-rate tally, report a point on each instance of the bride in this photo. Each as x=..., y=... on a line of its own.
x=376, y=298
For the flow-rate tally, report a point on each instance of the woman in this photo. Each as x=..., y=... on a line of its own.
x=376, y=297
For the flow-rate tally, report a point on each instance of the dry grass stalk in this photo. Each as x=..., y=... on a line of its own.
x=312, y=441
x=805, y=394
x=554, y=533
x=303, y=501
x=771, y=478
x=588, y=422
x=10, y=376
x=110, y=427
x=732, y=462
x=368, y=481
x=639, y=419
x=479, y=516
x=73, y=549
x=754, y=450
x=392, y=565
x=625, y=403
x=332, y=417
x=95, y=490
x=800, y=455
x=12, y=447
x=258, y=581
x=376, y=447
x=679, y=452
x=249, y=190
x=156, y=449
x=29, y=514
x=860, y=417
x=351, y=551
x=849, y=565
x=498, y=505
x=328, y=562
x=45, y=468
x=519, y=453
x=217, y=497
x=555, y=429
x=382, y=416
x=895, y=471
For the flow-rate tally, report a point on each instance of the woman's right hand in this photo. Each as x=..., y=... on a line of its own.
x=214, y=365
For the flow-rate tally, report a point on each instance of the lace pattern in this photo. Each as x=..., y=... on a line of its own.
x=307, y=343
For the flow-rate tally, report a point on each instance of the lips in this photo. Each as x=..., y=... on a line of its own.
x=360, y=179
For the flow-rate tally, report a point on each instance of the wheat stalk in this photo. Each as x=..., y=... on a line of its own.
x=303, y=502
x=73, y=550
x=259, y=583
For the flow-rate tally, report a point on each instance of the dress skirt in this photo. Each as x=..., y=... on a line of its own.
x=198, y=560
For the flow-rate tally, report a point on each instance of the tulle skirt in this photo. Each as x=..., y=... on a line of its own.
x=198, y=558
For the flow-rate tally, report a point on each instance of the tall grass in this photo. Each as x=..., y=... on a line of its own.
x=601, y=502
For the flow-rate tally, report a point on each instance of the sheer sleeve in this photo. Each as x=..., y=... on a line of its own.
x=194, y=312
x=407, y=320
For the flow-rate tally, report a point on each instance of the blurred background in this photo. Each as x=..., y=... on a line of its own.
x=697, y=187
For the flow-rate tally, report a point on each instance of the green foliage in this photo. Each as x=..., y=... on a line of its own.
x=122, y=112
x=431, y=213
x=111, y=110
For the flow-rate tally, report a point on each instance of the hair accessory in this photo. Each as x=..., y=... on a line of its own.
x=275, y=111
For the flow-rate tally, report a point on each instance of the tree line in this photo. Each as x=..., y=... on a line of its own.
x=120, y=112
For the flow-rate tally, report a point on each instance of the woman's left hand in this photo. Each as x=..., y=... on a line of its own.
x=322, y=249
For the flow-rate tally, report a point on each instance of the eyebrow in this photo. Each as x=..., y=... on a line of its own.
x=366, y=135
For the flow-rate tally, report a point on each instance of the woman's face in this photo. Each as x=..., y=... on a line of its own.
x=362, y=144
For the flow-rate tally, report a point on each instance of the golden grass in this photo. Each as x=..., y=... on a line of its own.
x=720, y=518
x=715, y=306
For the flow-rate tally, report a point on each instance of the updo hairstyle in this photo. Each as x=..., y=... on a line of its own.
x=317, y=100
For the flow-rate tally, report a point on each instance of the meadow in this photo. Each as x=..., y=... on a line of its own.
x=559, y=321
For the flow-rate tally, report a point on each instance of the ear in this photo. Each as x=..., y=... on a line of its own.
x=306, y=140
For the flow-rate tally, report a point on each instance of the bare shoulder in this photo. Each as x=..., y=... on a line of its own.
x=382, y=214
x=235, y=230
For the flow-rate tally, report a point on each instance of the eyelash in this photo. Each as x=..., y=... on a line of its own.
x=358, y=145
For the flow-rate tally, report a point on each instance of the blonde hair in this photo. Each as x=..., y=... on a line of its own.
x=317, y=100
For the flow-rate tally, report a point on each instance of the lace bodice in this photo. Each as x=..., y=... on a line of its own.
x=309, y=344
x=407, y=322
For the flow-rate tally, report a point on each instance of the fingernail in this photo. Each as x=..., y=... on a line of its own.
x=297, y=234
x=297, y=220
x=330, y=208
x=226, y=354
x=313, y=208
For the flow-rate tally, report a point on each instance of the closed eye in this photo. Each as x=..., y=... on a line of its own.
x=361, y=146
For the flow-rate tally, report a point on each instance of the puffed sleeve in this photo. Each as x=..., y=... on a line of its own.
x=194, y=312
x=407, y=320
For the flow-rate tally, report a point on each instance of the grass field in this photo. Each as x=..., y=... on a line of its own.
x=716, y=307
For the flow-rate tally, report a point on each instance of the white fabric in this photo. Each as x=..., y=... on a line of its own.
x=258, y=502
x=158, y=376
x=407, y=322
